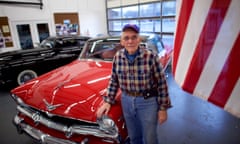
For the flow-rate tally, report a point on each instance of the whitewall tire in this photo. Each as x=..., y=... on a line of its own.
x=25, y=76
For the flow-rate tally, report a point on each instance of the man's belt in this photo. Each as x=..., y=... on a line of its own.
x=146, y=94
x=135, y=94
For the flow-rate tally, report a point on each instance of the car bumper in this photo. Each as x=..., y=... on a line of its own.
x=23, y=126
x=39, y=135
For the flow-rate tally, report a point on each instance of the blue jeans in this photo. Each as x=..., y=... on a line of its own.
x=141, y=118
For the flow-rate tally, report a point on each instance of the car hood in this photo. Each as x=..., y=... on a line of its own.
x=74, y=90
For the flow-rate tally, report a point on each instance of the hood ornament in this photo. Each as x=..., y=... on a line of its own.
x=51, y=107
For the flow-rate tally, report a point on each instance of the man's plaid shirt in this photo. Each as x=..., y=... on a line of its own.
x=144, y=73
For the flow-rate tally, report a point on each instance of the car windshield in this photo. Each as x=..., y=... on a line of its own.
x=103, y=49
x=106, y=48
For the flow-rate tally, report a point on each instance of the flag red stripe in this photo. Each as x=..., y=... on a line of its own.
x=228, y=77
x=182, y=23
x=205, y=44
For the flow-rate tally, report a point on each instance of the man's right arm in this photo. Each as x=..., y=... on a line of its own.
x=103, y=109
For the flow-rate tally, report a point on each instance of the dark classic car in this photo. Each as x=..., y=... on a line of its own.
x=22, y=65
x=60, y=106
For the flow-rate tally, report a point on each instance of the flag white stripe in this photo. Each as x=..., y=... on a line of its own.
x=229, y=30
x=195, y=25
x=178, y=8
x=233, y=103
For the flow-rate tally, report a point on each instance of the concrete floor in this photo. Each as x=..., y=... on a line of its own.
x=191, y=121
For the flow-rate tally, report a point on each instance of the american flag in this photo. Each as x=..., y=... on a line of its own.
x=206, y=57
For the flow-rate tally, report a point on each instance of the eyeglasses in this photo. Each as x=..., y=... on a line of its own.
x=133, y=38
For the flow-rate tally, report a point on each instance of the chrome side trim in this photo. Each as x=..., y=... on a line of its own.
x=68, y=130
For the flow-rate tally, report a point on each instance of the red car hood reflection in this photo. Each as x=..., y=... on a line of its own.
x=72, y=91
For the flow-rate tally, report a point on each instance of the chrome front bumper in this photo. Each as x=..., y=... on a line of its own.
x=67, y=130
x=39, y=135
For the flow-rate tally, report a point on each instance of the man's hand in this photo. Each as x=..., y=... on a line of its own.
x=162, y=116
x=103, y=109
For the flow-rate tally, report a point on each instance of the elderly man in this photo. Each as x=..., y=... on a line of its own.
x=145, y=100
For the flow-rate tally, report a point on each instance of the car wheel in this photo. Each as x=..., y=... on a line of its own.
x=25, y=76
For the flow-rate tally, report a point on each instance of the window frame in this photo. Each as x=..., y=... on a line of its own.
x=114, y=24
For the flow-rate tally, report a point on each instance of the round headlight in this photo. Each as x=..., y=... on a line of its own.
x=107, y=124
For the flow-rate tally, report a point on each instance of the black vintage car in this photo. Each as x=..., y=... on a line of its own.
x=19, y=66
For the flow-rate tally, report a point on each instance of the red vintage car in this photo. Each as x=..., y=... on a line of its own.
x=60, y=106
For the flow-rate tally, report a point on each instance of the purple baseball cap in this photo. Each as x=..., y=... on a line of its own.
x=132, y=27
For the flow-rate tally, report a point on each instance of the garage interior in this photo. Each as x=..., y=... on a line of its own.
x=191, y=120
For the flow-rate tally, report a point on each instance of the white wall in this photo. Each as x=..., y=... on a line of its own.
x=92, y=14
